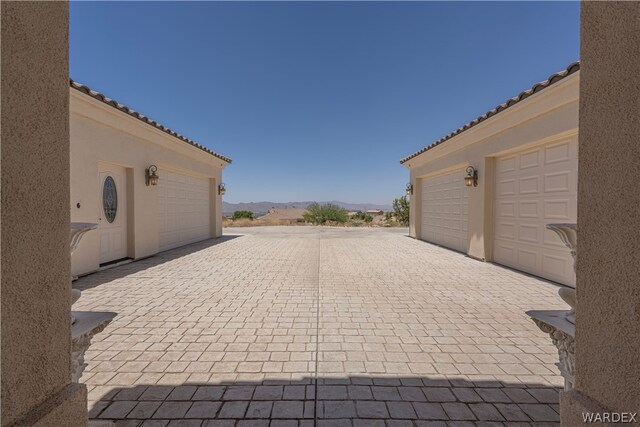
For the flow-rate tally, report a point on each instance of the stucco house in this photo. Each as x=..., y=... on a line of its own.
x=489, y=188
x=147, y=187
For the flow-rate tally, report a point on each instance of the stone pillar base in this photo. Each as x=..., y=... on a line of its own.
x=68, y=407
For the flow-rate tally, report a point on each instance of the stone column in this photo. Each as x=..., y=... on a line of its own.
x=607, y=349
x=36, y=388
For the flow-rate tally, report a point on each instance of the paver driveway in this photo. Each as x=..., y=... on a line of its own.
x=319, y=326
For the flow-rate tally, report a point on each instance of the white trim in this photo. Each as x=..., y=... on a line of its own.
x=559, y=137
x=446, y=170
x=188, y=172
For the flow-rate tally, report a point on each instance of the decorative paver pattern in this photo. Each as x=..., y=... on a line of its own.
x=304, y=326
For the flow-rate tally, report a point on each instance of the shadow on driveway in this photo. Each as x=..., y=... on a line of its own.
x=346, y=401
x=98, y=278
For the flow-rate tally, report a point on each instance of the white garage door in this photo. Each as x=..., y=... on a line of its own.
x=183, y=209
x=534, y=188
x=445, y=209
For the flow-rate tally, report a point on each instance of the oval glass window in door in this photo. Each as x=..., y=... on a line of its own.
x=109, y=199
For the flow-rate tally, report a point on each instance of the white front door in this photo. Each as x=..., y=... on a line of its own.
x=533, y=188
x=112, y=219
x=445, y=210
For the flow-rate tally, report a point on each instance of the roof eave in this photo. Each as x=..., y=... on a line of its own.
x=556, y=77
x=123, y=108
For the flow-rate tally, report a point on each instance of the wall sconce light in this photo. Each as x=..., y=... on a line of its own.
x=222, y=189
x=151, y=178
x=409, y=189
x=472, y=177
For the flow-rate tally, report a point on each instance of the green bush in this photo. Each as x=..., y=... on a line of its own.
x=401, y=210
x=362, y=216
x=242, y=214
x=321, y=214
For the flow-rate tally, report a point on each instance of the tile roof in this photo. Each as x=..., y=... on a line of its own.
x=100, y=97
x=534, y=89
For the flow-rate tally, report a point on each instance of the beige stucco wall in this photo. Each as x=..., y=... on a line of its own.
x=36, y=341
x=608, y=270
x=548, y=116
x=102, y=134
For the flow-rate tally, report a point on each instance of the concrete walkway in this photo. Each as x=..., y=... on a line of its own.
x=289, y=326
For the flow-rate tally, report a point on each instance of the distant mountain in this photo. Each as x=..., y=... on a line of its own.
x=263, y=207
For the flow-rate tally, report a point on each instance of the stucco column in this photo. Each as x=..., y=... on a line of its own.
x=476, y=206
x=607, y=340
x=415, y=208
x=487, y=207
x=216, y=207
x=34, y=223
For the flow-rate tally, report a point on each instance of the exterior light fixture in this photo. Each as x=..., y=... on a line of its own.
x=151, y=178
x=409, y=189
x=472, y=177
x=222, y=189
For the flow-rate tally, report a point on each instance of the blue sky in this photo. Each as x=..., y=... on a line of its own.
x=315, y=100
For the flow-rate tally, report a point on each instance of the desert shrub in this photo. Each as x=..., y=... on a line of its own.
x=362, y=216
x=244, y=222
x=401, y=210
x=323, y=214
x=242, y=214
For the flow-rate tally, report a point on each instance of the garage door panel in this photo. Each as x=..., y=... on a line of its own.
x=556, y=265
x=529, y=185
x=558, y=181
x=506, y=209
x=545, y=192
x=505, y=230
x=529, y=209
x=557, y=209
x=506, y=164
x=528, y=259
x=529, y=160
x=557, y=153
x=506, y=187
x=529, y=233
x=444, y=210
x=183, y=209
x=505, y=252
